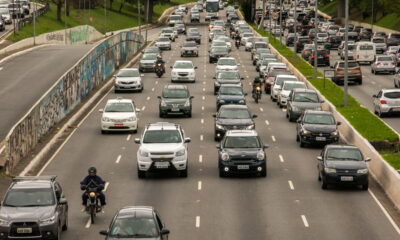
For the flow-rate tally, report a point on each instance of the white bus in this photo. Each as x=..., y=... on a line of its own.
x=212, y=6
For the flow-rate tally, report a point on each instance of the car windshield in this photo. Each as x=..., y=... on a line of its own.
x=175, y=93
x=384, y=59
x=128, y=73
x=163, y=39
x=279, y=81
x=231, y=91
x=151, y=50
x=234, y=114
x=305, y=97
x=228, y=75
x=324, y=119
x=344, y=154
x=290, y=86
x=29, y=197
x=242, y=142
x=276, y=73
x=378, y=40
x=350, y=64
x=162, y=136
x=392, y=95
x=190, y=44
x=184, y=65
x=227, y=62
x=261, y=45
x=149, y=57
x=119, y=107
x=134, y=227
x=219, y=50
x=219, y=43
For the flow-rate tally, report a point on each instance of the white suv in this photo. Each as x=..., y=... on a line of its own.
x=183, y=71
x=163, y=146
x=119, y=115
x=226, y=64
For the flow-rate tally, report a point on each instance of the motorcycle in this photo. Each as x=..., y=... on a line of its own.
x=257, y=93
x=159, y=70
x=93, y=205
x=237, y=43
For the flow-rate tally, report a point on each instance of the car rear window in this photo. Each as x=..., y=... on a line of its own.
x=378, y=40
x=392, y=95
x=395, y=35
x=175, y=93
x=350, y=64
x=385, y=59
x=366, y=47
x=344, y=154
x=162, y=136
x=242, y=142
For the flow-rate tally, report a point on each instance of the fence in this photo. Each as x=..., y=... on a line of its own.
x=70, y=90
x=41, y=9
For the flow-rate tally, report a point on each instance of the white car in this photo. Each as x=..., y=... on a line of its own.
x=226, y=39
x=227, y=64
x=163, y=43
x=163, y=146
x=119, y=115
x=128, y=79
x=245, y=38
x=169, y=32
x=276, y=88
x=183, y=71
x=322, y=37
x=287, y=87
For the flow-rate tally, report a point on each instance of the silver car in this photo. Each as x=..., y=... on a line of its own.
x=380, y=44
x=189, y=48
x=384, y=64
x=387, y=101
x=128, y=79
x=397, y=80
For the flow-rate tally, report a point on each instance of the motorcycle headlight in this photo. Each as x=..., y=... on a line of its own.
x=305, y=132
x=219, y=126
x=143, y=153
x=48, y=220
x=163, y=104
x=335, y=133
x=180, y=152
x=225, y=157
x=106, y=119
x=363, y=171
x=242, y=102
x=187, y=103
x=260, y=155
x=4, y=222
x=250, y=127
x=330, y=170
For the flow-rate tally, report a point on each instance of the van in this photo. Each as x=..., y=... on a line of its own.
x=364, y=52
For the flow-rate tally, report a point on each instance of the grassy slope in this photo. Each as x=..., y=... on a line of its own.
x=94, y=17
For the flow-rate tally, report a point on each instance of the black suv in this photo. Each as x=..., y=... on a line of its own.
x=33, y=208
x=301, y=41
x=175, y=99
x=342, y=164
x=300, y=100
x=232, y=117
x=242, y=151
x=216, y=53
x=317, y=127
x=226, y=77
x=230, y=94
x=322, y=57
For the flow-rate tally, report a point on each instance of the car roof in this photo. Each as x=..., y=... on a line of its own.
x=136, y=212
x=119, y=100
x=286, y=76
x=186, y=61
x=31, y=184
x=175, y=86
x=162, y=126
x=390, y=90
x=338, y=145
x=304, y=90
x=233, y=106
x=245, y=133
x=317, y=112
x=127, y=69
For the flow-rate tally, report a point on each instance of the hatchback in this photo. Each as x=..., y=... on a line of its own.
x=387, y=101
x=384, y=64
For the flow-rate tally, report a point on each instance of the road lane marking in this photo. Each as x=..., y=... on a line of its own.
x=291, y=185
x=1, y=68
x=273, y=138
x=202, y=108
x=373, y=82
x=267, y=122
x=118, y=159
x=204, y=83
x=303, y=217
x=204, y=89
x=197, y=221
x=128, y=137
x=247, y=77
x=205, y=75
x=88, y=223
x=143, y=108
x=106, y=186
x=201, y=137
x=250, y=83
x=261, y=109
x=283, y=109
x=200, y=158
x=148, y=98
x=152, y=89
x=281, y=158
x=202, y=121
x=204, y=97
x=156, y=82
x=385, y=212
x=199, y=185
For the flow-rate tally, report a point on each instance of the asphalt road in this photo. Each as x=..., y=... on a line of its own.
x=288, y=204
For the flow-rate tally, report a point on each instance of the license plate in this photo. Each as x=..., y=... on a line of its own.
x=24, y=230
x=320, y=138
x=346, y=178
x=182, y=78
x=118, y=124
x=243, y=167
x=161, y=164
x=175, y=109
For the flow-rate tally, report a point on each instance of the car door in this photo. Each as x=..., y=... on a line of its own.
x=160, y=226
x=377, y=100
x=321, y=159
x=61, y=208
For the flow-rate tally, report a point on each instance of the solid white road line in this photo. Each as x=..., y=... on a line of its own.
x=201, y=137
x=202, y=121
x=2, y=149
x=303, y=217
x=200, y=158
x=385, y=212
x=156, y=82
x=199, y=185
x=204, y=97
x=281, y=158
x=197, y=221
x=88, y=223
x=152, y=89
x=261, y=109
x=118, y=159
x=273, y=138
x=128, y=137
x=291, y=185
x=106, y=186
x=202, y=108
x=267, y=122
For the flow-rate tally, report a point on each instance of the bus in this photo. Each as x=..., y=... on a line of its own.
x=212, y=6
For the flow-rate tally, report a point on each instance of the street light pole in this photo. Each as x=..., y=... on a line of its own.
x=65, y=21
x=346, y=57
x=295, y=26
x=280, y=24
x=34, y=24
x=263, y=14
x=138, y=4
x=372, y=18
x=105, y=16
x=315, y=41
x=270, y=16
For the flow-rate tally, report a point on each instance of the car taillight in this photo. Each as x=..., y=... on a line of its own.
x=312, y=56
x=358, y=56
x=298, y=42
x=377, y=63
x=393, y=63
x=390, y=39
x=383, y=101
x=327, y=56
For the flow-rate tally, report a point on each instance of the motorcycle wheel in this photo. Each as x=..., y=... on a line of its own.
x=256, y=99
x=92, y=213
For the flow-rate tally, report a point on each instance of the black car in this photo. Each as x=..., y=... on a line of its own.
x=300, y=100
x=216, y=53
x=175, y=99
x=334, y=41
x=242, y=151
x=301, y=41
x=322, y=57
x=232, y=117
x=230, y=94
x=136, y=222
x=365, y=34
x=317, y=127
x=342, y=164
x=290, y=39
x=226, y=77
x=193, y=36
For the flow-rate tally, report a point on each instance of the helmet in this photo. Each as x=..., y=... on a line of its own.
x=159, y=57
x=92, y=170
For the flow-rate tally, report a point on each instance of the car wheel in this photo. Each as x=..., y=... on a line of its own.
x=365, y=187
x=103, y=131
x=380, y=114
x=360, y=81
x=65, y=226
x=372, y=71
x=134, y=131
x=222, y=174
x=297, y=138
x=324, y=185
x=183, y=173
x=302, y=144
x=161, y=115
x=319, y=176
x=264, y=171
x=216, y=138
x=287, y=114
x=141, y=174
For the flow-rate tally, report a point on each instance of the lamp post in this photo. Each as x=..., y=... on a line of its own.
x=65, y=21
x=105, y=16
x=295, y=26
x=315, y=41
x=138, y=5
x=280, y=24
x=372, y=18
x=346, y=56
x=34, y=24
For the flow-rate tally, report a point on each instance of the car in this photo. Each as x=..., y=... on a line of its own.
x=163, y=43
x=189, y=48
x=5, y=15
x=230, y=94
x=341, y=32
x=16, y=10
x=397, y=79
x=354, y=72
x=386, y=102
x=301, y=41
x=271, y=76
x=276, y=88
x=263, y=56
x=395, y=52
x=317, y=127
x=195, y=17
x=322, y=37
x=136, y=222
x=350, y=52
x=332, y=30
x=306, y=52
x=264, y=63
x=210, y=16
x=384, y=64
x=380, y=44
x=224, y=38
x=287, y=87
x=300, y=100
x=342, y=164
x=256, y=54
x=334, y=41
x=147, y=62
x=193, y=36
x=25, y=6
x=258, y=45
x=226, y=77
x=340, y=51
x=353, y=36
x=128, y=79
x=163, y=146
x=290, y=39
x=2, y=24
x=242, y=151
x=183, y=71
x=33, y=207
x=180, y=28
x=175, y=99
x=119, y=115
x=380, y=34
x=365, y=34
x=216, y=53
x=174, y=18
x=322, y=57
x=232, y=117
x=227, y=64
x=393, y=39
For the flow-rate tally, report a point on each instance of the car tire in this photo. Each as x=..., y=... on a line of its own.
x=141, y=174
x=365, y=187
x=135, y=131
x=65, y=226
x=360, y=81
x=161, y=115
x=189, y=115
x=302, y=144
x=324, y=185
x=103, y=131
x=380, y=114
x=115, y=91
x=264, y=171
x=183, y=173
x=297, y=138
x=222, y=174
x=319, y=177
x=216, y=138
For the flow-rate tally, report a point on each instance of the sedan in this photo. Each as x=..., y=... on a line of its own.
x=147, y=62
x=189, y=48
x=163, y=43
x=387, y=101
x=230, y=94
x=384, y=64
x=227, y=64
x=344, y=165
x=287, y=87
x=183, y=71
x=128, y=79
x=300, y=100
x=222, y=78
x=119, y=115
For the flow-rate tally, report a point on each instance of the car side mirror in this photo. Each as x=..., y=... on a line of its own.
x=319, y=158
x=188, y=140
x=367, y=159
x=338, y=123
x=104, y=232
x=63, y=201
x=170, y=66
x=195, y=67
x=255, y=115
x=101, y=110
x=214, y=115
x=137, y=140
x=218, y=146
x=191, y=97
x=374, y=96
x=159, y=97
x=164, y=232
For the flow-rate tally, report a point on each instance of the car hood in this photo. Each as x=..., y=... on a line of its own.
x=307, y=105
x=119, y=115
x=128, y=79
x=242, y=152
x=161, y=147
x=189, y=48
x=26, y=213
x=319, y=128
x=147, y=61
x=348, y=164
x=163, y=43
x=228, y=81
x=112, y=238
x=229, y=121
x=182, y=70
x=227, y=67
x=231, y=97
x=175, y=100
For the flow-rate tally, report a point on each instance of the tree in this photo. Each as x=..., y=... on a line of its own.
x=59, y=4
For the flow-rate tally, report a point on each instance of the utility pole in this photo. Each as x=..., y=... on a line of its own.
x=280, y=24
x=263, y=14
x=295, y=26
x=34, y=24
x=65, y=21
x=12, y=15
x=138, y=5
x=346, y=56
x=105, y=16
x=147, y=17
x=270, y=16
x=372, y=18
x=315, y=41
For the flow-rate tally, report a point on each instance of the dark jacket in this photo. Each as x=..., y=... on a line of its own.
x=90, y=179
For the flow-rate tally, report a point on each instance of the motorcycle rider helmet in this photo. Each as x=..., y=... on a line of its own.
x=159, y=57
x=92, y=171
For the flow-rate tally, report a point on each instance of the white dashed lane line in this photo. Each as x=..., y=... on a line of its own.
x=106, y=186
x=118, y=159
x=143, y=108
x=202, y=108
x=197, y=221
x=273, y=138
x=202, y=121
x=201, y=137
x=261, y=109
x=267, y=122
x=199, y=185
x=305, y=222
x=148, y=98
x=281, y=158
x=204, y=97
x=291, y=185
x=200, y=158
x=128, y=137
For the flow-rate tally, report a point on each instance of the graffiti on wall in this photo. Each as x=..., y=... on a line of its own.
x=77, y=35
x=55, y=37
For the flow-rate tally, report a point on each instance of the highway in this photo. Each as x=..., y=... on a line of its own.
x=288, y=204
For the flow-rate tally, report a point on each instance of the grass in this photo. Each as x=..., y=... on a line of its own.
x=391, y=21
x=330, y=8
x=94, y=17
x=392, y=158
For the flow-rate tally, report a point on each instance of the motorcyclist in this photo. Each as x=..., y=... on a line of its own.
x=256, y=83
x=93, y=181
x=237, y=40
x=160, y=61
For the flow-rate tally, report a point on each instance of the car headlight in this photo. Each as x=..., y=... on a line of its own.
x=363, y=171
x=187, y=103
x=260, y=155
x=225, y=157
x=48, y=220
x=163, y=104
x=284, y=95
x=305, y=132
x=219, y=126
x=4, y=222
x=191, y=74
x=131, y=119
x=180, y=152
x=250, y=127
x=106, y=119
x=221, y=101
x=174, y=74
x=330, y=170
x=242, y=101
x=335, y=133
x=143, y=153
